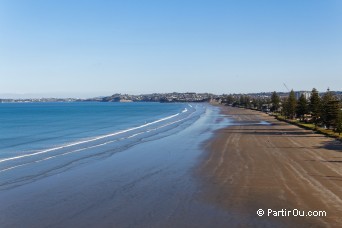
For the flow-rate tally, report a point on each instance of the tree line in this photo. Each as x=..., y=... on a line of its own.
x=323, y=111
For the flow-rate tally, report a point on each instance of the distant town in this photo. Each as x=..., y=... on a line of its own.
x=167, y=97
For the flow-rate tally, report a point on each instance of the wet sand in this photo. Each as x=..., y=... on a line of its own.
x=150, y=184
x=278, y=166
x=192, y=178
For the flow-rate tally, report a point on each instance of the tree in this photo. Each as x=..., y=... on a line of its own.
x=257, y=102
x=284, y=110
x=339, y=122
x=275, y=100
x=302, y=107
x=330, y=109
x=242, y=100
x=245, y=101
x=315, y=106
x=291, y=104
x=230, y=99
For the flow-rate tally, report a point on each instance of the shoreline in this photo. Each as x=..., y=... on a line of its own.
x=250, y=166
x=173, y=182
x=149, y=184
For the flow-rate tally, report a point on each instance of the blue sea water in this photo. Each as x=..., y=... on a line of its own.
x=39, y=139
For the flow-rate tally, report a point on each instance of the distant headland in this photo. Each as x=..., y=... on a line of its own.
x=157, y=97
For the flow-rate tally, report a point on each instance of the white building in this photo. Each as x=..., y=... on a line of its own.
x=307, y=94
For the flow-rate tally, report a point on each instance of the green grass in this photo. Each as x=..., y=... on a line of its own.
x=310, y=126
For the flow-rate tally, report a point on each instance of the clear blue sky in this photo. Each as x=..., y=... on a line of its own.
x=100, y=47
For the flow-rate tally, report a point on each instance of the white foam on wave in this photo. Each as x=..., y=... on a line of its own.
x=101, y=144
x=89, y=140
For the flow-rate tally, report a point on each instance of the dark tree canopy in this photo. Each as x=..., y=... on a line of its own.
x=275, y=100
x=330, y=109
x=230, y=99
x=315, y=106
x=290, y=105
x=339, y=122
x=302, y=107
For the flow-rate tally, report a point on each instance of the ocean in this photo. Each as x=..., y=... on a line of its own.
x=40, y=139
x=106, y=164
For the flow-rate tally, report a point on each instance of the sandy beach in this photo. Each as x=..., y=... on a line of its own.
x=214, y=172
x=251, y=166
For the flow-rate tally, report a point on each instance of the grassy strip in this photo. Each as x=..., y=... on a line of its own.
x=307, y=126
x=326, y=132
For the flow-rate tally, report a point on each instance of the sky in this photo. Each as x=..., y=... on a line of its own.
x=93, y=48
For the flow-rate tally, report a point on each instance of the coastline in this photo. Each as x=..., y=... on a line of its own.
x=251, y=166
x=148, y=184
x=152, y=184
